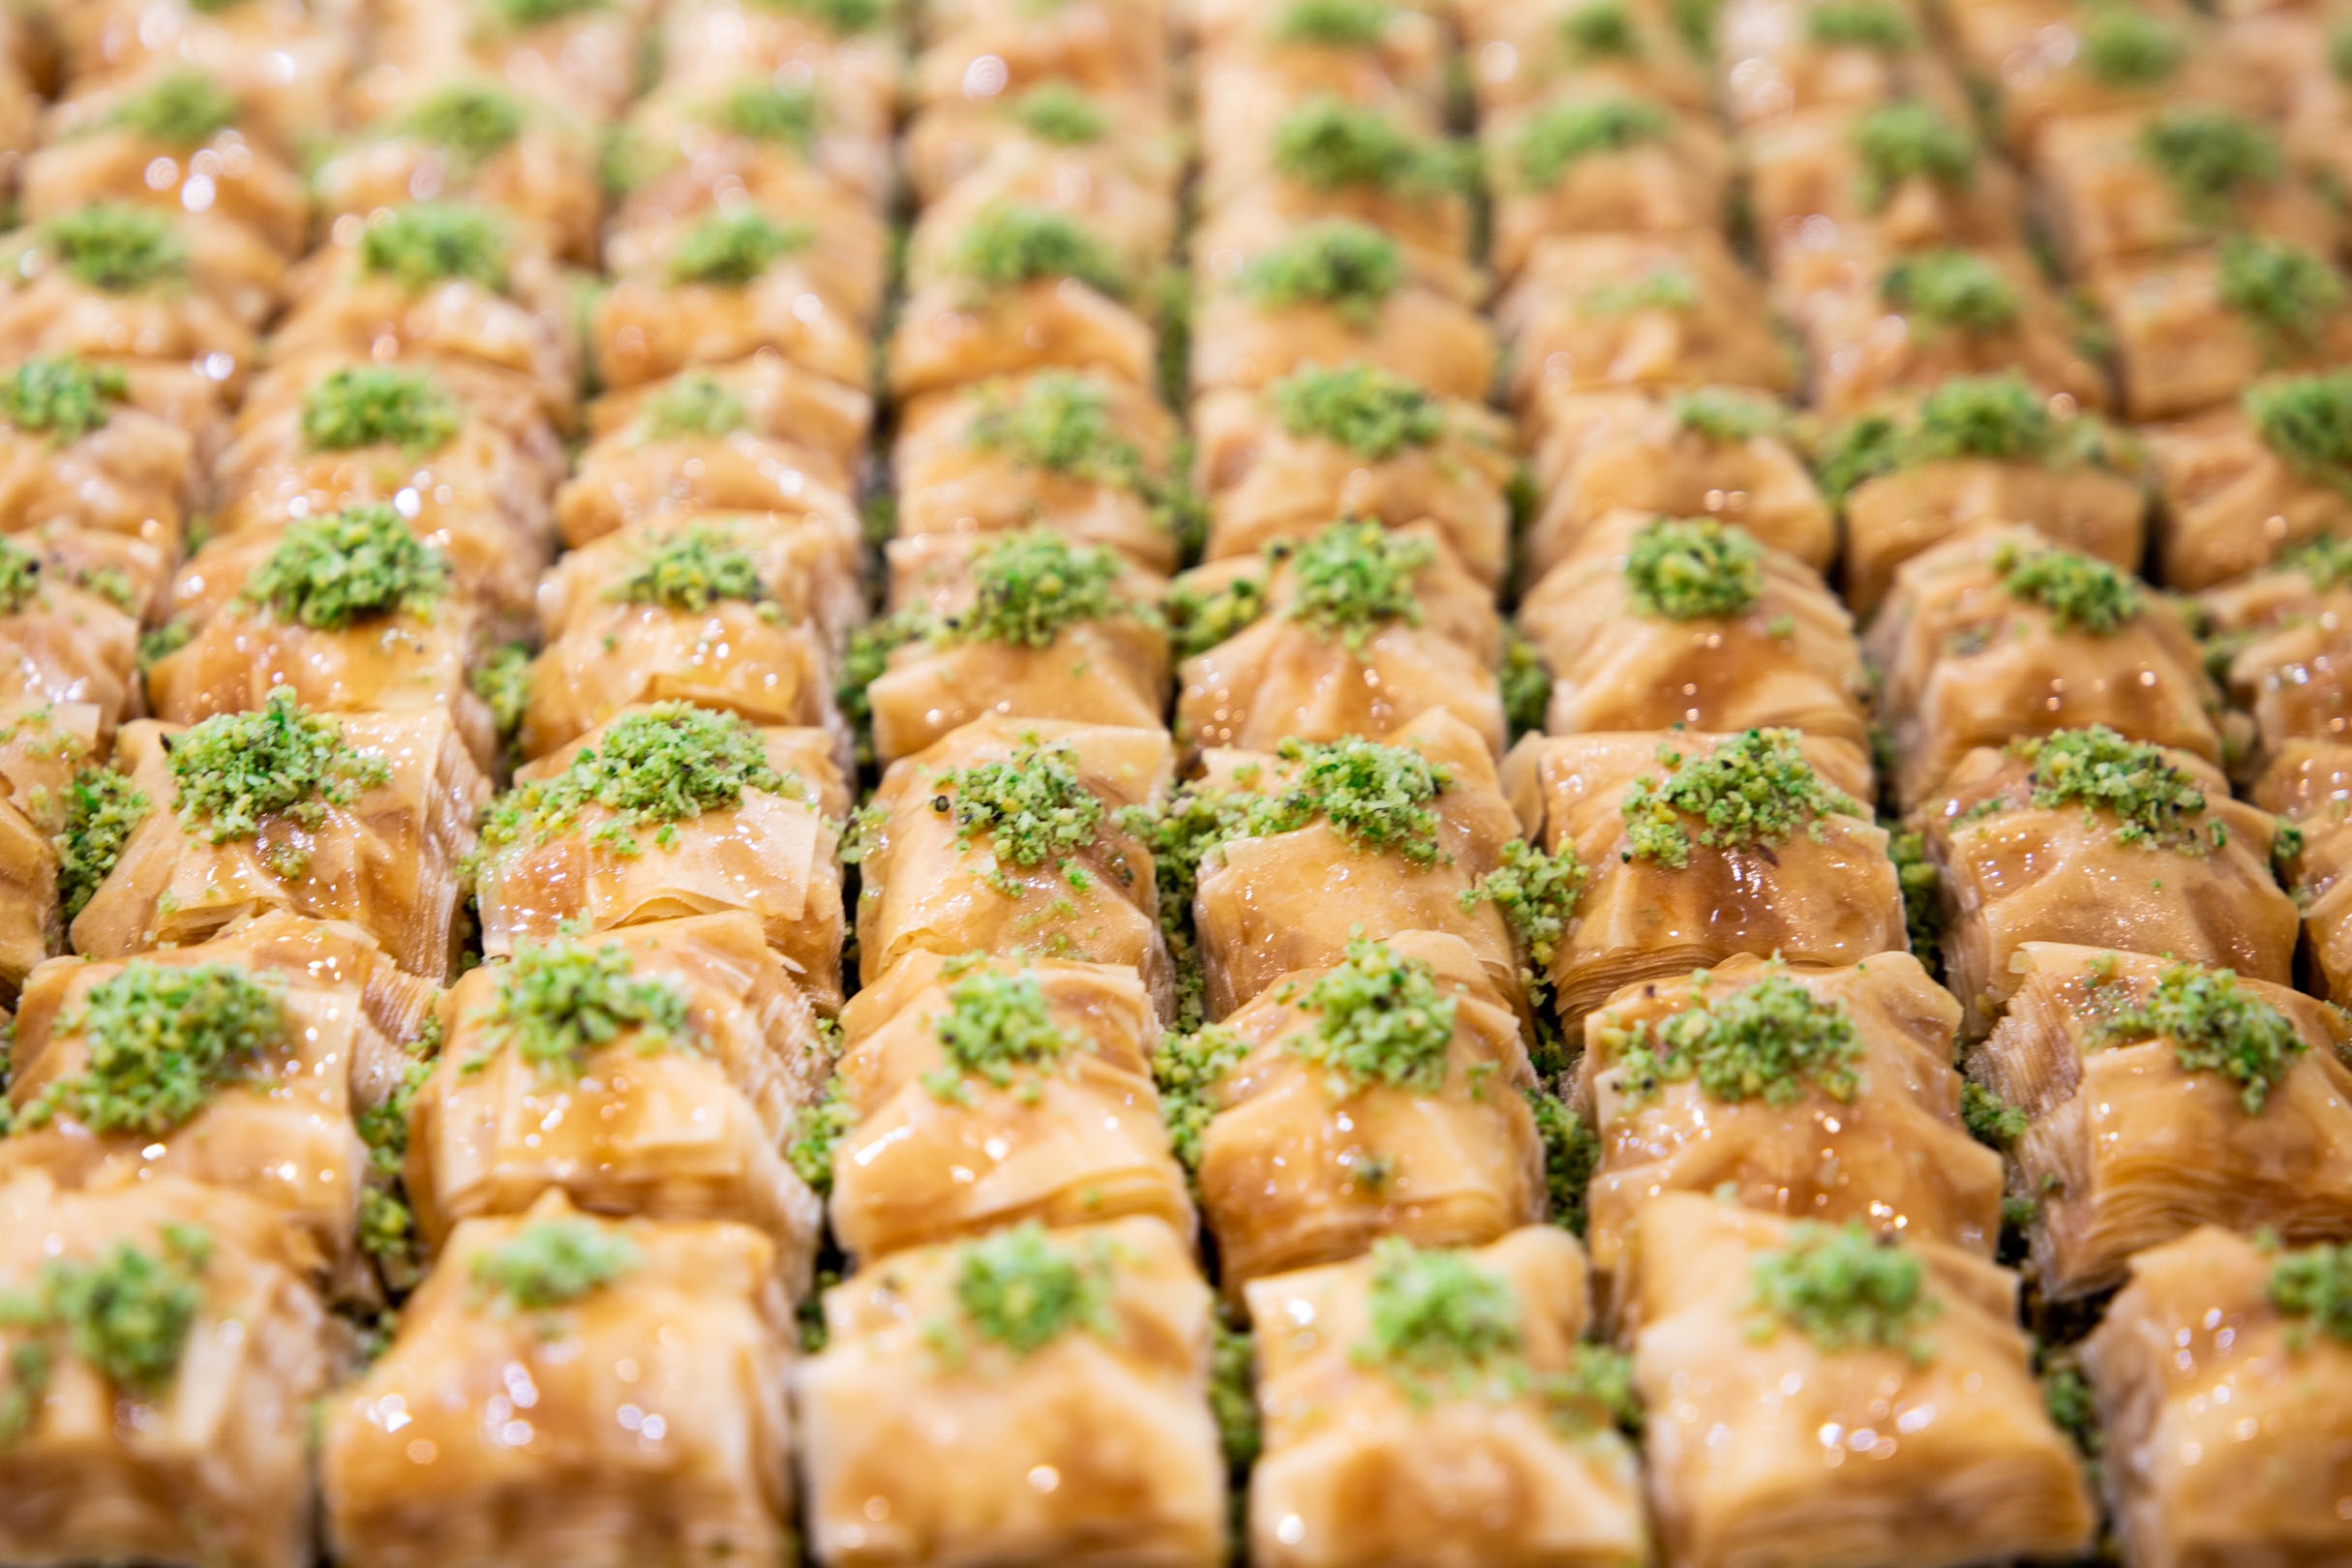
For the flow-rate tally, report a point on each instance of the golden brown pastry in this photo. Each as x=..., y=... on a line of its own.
x=1784, y=57
x=2242, y=486
x=2192, y=330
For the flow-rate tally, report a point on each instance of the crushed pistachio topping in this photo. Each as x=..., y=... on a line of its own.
x=1525, y=682
x=1754, y=788
x=730, y=249
x=1601, y=31
x=380, y=405
x=180, y=109
x=334, y=571
x=1845, y=1289
x=127, y=1314
x=1998, y=418
x=503, y=680
x=1351, y=24
x=2308, y=421
x=1371, y=412
x=101, y=809
x=2325, y=562
x=996, y=1025
x=1378, y=797
x=661, y=766
x=19, y=576
x=1723, y=413
x=1065, y=115
x=2340, y=51
x=1773, y=1041
x=1859, y=24
x=1061, y=422
x=1666, y=287
x=1951, y=288
x=551, y=1263
x=1198, y=621
x=1693, y=569
x=816, y=1131
x=866, y=660
x=1909, y=140
x=2081, y=593
x=559, y=1004
x=520, y=14
x=843, y=17
x=1009, y=244
x=1557, y=136
x=1354, y=578
x=765, y=112
x=2314, y=1284
x=1990, y=1119
x=2123, y=46
x=1033, y=807
x=1349, y=267
x=2210, y=156
x=1029, y=587
x=234, y=770
x=1233, y=1397
x=1021, y=1289
x=1435, y=1313
x=1380, y=1021
x=2284, y=290
x=1188, y=1068
x=2154, y=803
x=1329, y=143
x=2215, y=1027
x=64, y=398
x=467, y=119
x=161, y=1040
x=693, y=406
x=437, y=242
x=117, y=250
x=1572, y=1153
x=691, y=569
x=1536, y=893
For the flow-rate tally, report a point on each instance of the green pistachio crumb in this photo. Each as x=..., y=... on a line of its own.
x=1572, y=1153
x=1723, y=413
x=1693, y=569
x=1536, y=892
x=2308, y=421
x=1555, y=138
x=1187, y=1070
x=1953, y=289
x=2154, y=803
x=1349, y=24
x=437, y=242
x=1061, y=422
x=380, y=405
x=161, y=1040
x=1600, y=30
x=127, y=1314
x=64, y=398
x=730, y=248
x=690, y=570
x=180, y=109
x=471, y=121
x=1034, y=808
x=1371, y=412
x=1909, y=141
x=101, y=809
x=516, y=15
x=1859, y=24
x=1666, y=287
x=1354, y=578
x=1526, y=683
x=2315, y=1285
x=1009, y=244
x=1845, y=1289
x=559, y=1004
x=2081, y=593
x=1435, y=1314
x=1916, y=876
x=1233, y=1397
x=503, y=682
x=1329, y=143
x=233, y=770
x=117, y=250
x=786, y=114
x=692, y=406
x=332, y=572
x=1022, y=1289
x=1998, y=418
x=2123, y=46
x=865, y=661
x=2285, y=291
x=1773, y=1041
x=20, y=578
x=996, y=1025
x=843, y=17
x=1029, y=587
x=551, y=1263
x=1990, y=1119
x=2209, y=155
x=1064, y=114
x=2215, y=1027
x=1754, y=788
x=1379, y=1021
x=666, y=763
x=818, y=1130
x=1349, y=267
